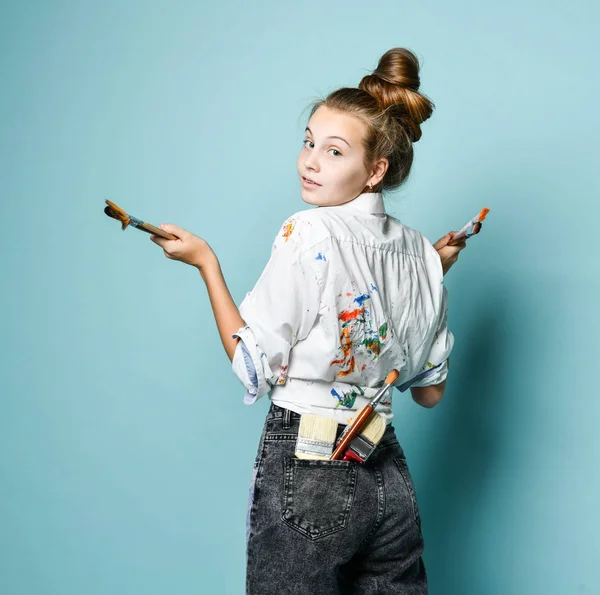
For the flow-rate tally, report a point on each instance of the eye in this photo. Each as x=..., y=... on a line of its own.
x=308, y=141
x=336, y=151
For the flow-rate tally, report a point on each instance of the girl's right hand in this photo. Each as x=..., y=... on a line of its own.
x=448, y=254
x=187, y=247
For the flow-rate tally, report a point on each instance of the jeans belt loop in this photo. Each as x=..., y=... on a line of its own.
x=287, y=416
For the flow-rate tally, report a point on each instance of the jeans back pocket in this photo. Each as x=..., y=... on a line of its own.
x=318, y=495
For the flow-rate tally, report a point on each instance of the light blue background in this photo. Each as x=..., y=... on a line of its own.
x=126, y=450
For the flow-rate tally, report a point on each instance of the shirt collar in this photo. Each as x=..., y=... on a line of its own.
x=370, y=202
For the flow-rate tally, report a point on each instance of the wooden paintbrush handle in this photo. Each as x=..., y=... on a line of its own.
x=360, y=419
x=157, y=231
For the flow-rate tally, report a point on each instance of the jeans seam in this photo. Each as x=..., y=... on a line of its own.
x=256, y=488
x=380, y=507
x=416, y=517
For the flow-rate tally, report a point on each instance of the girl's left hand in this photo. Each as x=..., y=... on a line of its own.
x=188, y=248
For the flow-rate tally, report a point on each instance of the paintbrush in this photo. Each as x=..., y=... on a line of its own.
x=112, y=210
x=363, y=415
x=470, y=229
x=365, y=441
x=316, y=437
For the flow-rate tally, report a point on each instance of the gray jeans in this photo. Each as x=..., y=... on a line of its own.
x=331, y=527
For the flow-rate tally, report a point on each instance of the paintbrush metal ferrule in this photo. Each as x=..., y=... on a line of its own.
x=389, y=380
x=135, y=221
x=379, y=395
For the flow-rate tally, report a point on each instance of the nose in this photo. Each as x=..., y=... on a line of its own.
x=311, y=162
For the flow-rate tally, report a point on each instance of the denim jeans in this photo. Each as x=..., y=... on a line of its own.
x=319, y=527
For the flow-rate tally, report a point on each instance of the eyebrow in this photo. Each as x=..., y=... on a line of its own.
x=309, y=130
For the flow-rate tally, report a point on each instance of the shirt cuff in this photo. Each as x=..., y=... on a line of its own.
x=405, y=385
x=433, y=376
x=250, y=365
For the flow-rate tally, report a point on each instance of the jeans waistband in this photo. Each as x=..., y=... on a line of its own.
x=277, y=412
x=291, y=418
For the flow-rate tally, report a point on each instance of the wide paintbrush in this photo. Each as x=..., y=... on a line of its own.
x=112, y=210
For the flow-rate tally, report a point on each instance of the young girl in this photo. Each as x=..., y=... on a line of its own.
x=348, y=294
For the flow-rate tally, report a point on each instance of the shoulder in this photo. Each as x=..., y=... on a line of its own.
x=412, y=238
x=301, y=231
x=419, y=245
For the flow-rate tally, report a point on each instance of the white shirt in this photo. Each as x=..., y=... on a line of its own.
x=348, y=294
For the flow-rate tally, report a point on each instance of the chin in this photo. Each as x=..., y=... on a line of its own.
x=309, y=199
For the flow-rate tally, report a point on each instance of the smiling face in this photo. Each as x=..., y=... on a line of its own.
x=331, y=163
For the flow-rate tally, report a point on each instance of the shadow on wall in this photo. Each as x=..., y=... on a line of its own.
x=465, y=444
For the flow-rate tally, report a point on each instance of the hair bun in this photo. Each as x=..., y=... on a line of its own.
x=395, y=85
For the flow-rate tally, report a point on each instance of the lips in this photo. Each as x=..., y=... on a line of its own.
x=310, y=181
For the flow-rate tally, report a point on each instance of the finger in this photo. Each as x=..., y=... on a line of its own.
x=174, y=229
x=442, y=242
x=158, y=240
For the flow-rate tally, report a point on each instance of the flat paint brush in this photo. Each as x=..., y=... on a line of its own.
x=365, y=442
x=112, y=210
x=316, y=437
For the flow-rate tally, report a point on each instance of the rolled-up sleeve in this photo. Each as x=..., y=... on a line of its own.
x=435, y=369
x=280, y=310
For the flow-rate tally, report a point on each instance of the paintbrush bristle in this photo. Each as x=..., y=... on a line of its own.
x=374, y=427
x=316, y=437
x=112, y=210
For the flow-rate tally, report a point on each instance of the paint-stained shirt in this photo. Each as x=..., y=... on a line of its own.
x=348, y=294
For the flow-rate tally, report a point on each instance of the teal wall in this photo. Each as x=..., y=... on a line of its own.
x=125, y=449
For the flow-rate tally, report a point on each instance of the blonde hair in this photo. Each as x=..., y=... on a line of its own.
x=389, y=103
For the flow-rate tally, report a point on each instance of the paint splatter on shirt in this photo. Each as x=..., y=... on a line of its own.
x=288, y=229
x=358, y=322
x=347, y=399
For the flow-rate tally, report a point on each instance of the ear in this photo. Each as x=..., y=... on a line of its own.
x=378, y=170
